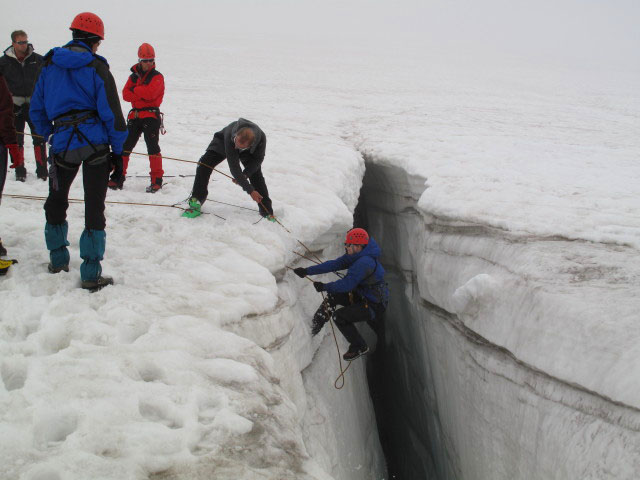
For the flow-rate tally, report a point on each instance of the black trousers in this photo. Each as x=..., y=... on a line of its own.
x=4, y=162
x=95, y=176
x=21, y=114
x=150, y=127
x=352, y=313
x=201, y=182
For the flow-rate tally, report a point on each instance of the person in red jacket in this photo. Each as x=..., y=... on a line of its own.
x=145, y=90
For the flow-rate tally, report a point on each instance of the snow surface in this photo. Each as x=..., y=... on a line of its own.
x=190, y=365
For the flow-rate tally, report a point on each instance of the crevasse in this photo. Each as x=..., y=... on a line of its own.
x=461, y=392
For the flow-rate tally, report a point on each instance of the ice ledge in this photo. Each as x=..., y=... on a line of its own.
x=542, y=384
x=513, y=355
x=338, y=426
x=567, y=308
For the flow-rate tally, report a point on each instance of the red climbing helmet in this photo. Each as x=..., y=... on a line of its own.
x=146, y=52
x=88, y=22
x=357, y=236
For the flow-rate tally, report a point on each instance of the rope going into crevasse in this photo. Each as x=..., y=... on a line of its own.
x=335, y=339
x=339, y=382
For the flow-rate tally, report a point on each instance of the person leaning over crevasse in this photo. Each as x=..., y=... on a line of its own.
x=240, y=142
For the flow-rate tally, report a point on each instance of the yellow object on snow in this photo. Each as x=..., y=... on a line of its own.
x=5, y=264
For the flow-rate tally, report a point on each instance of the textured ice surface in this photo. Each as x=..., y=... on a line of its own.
x=190, y=365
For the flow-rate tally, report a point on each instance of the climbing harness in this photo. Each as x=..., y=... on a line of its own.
x=379, y=289
x=74, y=119
x=155, y=110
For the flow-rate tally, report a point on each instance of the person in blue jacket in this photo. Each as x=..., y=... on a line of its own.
x=362, y=292
x=75, y=105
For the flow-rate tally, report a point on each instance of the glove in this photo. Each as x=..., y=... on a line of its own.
x=17, y=155
x=319, y=286
x=301, y=272
x=115, y=161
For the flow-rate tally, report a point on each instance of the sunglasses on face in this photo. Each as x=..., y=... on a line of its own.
x=147, y=60
x=21, y=42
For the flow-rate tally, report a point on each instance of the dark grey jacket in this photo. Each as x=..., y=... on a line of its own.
x=251, y=158
x=21, y=77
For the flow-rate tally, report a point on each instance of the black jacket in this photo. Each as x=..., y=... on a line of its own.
x=223, y=144
x=21, y=77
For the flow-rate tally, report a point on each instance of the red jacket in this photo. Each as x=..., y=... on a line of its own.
x=143, y=90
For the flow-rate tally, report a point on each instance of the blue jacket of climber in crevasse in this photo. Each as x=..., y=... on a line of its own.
x=365, y=274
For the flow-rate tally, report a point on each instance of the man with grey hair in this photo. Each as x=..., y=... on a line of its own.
x=20, y=65
x=242, y=143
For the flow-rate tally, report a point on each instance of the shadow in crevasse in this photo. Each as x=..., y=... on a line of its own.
x=377, y=371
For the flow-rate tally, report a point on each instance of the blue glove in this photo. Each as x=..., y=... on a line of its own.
x=319, y=286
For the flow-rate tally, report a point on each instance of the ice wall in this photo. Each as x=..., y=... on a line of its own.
x=338, y=425
x=497, y=366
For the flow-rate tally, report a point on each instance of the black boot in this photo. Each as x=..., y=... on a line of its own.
x=116, y=182
x=355, y=351
x=322, y=316
x=41, y=172
x=3, y=251
x=40, y=152
x=52, y=269
x=95, y=285
x=21, y=174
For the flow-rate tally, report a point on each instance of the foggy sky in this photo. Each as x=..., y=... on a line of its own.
x=582, y=31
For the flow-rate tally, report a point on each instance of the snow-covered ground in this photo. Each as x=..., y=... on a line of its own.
x=198, y=363
x=190, y=366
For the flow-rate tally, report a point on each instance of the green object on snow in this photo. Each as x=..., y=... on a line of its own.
x=194, y=209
